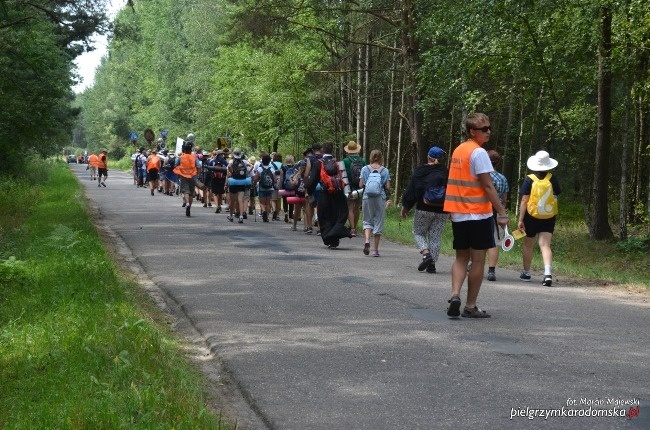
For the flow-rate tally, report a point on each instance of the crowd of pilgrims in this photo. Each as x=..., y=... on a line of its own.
x=271, y=187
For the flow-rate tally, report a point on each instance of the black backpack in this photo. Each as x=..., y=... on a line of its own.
x=267, y=178
x=239, y=169
x=356, y=164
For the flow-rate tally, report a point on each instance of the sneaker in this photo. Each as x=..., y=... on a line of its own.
x=366, y=248
x=286, y=217
x=99, y=186
x=209, y=204
x=375, y=254
x=525, y=277
x=293, y=228
x=309, y=230
x=103, y=185
x=184, y=204
x=218, y=210
x=230, y=218
x=453, y=310
x=241, y=220
x=353, y=233
x=426, y=259
x=187, y=211
x=431, y=268
x=245, y=216
x=205, y=205
x=491, y=276
x=548, y=281
x=152, y=192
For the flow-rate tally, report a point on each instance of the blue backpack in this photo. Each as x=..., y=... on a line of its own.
x=373, y=186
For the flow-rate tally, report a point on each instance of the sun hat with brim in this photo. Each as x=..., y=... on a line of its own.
x=352, y=147
x=541, y=162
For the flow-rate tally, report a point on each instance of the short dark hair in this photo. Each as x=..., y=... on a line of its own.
x=328, y=147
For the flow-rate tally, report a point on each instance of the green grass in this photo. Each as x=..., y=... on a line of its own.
x=77, y=347
x=574, y=254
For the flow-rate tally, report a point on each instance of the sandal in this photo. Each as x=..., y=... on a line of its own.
x=454, y=307
x=474, y=312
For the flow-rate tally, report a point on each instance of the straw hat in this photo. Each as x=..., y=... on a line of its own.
x=352, y=147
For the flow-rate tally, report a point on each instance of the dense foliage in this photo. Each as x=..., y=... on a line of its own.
x=567, y=76
x=39, y=40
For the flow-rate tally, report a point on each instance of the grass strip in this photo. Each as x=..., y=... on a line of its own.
x=77, y=350
x=574, y=254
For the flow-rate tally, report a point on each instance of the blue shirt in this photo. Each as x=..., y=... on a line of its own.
x=500, y=184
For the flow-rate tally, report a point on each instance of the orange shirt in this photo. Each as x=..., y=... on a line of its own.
x=465, y=194
x=92, y=160
x=187, y=166
x=153, y=162
x=101, y=161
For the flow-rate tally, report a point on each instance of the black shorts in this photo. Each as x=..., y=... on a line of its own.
x=152, y=175
x=218, y=186
x=477, y=234
x=102, y=172
x=535, y=225
x=237, y=188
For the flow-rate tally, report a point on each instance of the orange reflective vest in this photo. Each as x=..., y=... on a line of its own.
x=187, y=166
x=101, y=162
x=465, y=194
x=153, y=162
x=92, y=160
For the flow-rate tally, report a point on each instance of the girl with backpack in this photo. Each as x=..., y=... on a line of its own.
x=375, y=180
x=538, y=211
x=265, y=178
x=429, y=218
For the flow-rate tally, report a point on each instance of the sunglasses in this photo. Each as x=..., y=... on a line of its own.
x=484, y=129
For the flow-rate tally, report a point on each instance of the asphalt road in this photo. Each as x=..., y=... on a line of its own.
x=304, y=337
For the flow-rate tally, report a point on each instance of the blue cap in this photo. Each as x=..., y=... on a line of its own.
x=436, y=152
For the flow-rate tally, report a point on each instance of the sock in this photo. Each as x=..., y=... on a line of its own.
x=526, y=272
x=547, y=269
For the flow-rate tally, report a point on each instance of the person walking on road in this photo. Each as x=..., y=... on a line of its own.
x=538, y=212
x=353, y=165
x=375, y=180
x=471, y=199
x=92, y=166
x=501, y=185
x=426, y=191
x=102, y=168
x=153, y=170
x=187, y=168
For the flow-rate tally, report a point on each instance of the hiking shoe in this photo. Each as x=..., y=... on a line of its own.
x=491, y=276
x=453, y=310
x=431, y=268
x=230, y=218
x=187, y=211
x=366, y=248
x=525, y=277
x=548, y=281
x=426, y=259
x=474, y=312
x=241, y=220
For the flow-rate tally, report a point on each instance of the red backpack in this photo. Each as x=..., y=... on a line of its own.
x=331, y=179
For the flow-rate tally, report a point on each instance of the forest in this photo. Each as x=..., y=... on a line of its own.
x=567, y=76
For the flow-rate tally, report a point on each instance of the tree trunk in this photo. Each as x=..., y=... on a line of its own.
x=410, y=51
x=366, y=84
x=622, y=219
x=599, y=228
